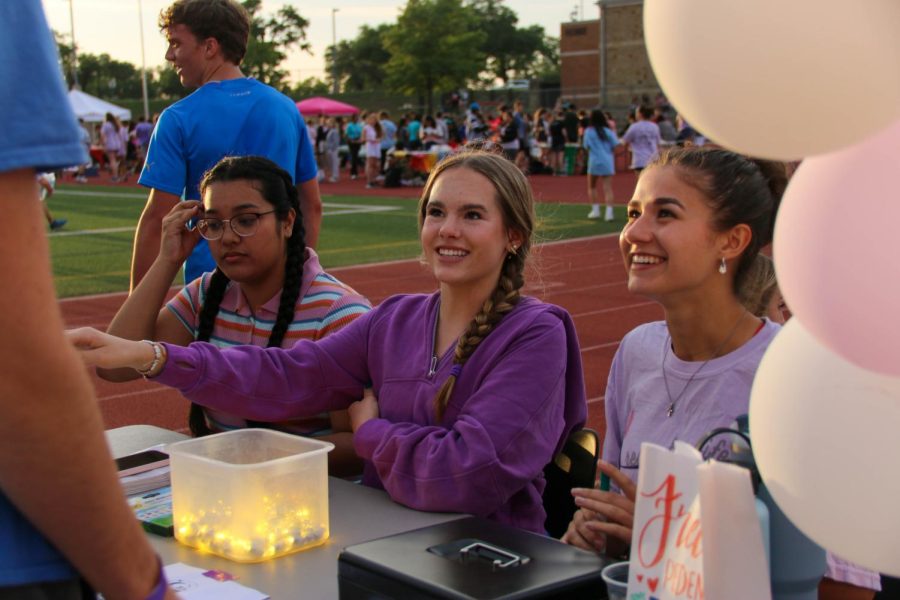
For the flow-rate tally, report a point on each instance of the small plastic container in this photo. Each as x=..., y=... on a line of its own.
x=616, y=578
x=251, y=494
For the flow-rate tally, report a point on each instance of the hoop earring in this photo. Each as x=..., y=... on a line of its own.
x=723, y=268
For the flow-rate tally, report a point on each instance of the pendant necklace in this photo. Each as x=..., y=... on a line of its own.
x=667, y=347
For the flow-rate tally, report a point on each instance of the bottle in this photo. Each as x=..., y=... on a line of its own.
x=762, y=512
x=796, y=563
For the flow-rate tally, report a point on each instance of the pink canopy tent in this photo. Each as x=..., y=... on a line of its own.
x=325, y=106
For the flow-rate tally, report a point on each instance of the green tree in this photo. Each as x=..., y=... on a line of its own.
x=270, y=40
x=106, y=77
x=66, y=57
x=358, y=64
x=546, y=65
x=168, y=85
x=311, y=86
x=436, y=45
x=511, y=51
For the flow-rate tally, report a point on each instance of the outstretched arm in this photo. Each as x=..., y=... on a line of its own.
x=52, y=444
x=261, y=384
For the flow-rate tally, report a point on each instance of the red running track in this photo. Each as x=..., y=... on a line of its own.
x=547, y=188
x=585, y=276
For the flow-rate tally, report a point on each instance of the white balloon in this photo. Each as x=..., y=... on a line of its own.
x=777, y=79
x=826, y=436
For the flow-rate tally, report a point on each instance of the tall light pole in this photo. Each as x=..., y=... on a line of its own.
x=334, y=81
x=74, y=48
x=143, y=64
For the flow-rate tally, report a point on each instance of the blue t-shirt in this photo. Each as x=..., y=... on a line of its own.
x=600, y=151
x=353, y=131
x=389, y=134
x=39, y=131
x=36, y=120
x=236, y=117
x=413, y=128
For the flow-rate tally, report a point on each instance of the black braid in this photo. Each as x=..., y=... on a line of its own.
x=277, y=189
x=207, y=320
x=293, y=276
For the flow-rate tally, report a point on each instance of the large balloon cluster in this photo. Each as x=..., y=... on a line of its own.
x=816, y=81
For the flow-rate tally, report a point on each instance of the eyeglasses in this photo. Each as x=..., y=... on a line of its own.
x=244, y=225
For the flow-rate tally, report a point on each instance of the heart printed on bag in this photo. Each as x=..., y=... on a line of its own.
x=652, y=583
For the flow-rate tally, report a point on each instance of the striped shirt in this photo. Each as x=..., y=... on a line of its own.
x=324, y=305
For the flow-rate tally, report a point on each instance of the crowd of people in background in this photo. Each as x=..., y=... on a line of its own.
x=123, y=143
x=540, y=141
x=558, y=141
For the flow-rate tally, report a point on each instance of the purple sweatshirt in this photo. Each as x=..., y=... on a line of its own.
x=517, y=399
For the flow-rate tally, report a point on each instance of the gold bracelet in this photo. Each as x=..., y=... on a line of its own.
x=152, y=370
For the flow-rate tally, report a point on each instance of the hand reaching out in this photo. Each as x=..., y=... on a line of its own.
x=98, y=349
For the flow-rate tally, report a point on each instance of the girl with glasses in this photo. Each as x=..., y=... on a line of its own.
x=268, y=289
x=467, y=393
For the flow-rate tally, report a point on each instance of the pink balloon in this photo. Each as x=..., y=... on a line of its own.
x=837, y=250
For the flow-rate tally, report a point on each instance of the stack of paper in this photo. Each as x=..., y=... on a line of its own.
x=146, y=481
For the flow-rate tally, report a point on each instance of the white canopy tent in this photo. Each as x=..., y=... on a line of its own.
x=92, y=109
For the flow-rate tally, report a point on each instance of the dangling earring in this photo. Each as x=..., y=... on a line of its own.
x=723, y=268
x=511, y=252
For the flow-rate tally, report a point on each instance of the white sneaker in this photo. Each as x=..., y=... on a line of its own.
x=610, y=215
x=594, y=214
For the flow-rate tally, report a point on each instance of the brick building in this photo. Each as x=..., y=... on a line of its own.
x=604, y=61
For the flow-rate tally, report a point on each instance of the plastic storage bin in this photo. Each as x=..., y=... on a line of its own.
x=251, y=494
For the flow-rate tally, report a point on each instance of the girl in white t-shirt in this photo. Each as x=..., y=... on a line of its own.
x=112, y=144
x=372, y=135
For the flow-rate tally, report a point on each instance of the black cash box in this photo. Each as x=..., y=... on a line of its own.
x=468, y=558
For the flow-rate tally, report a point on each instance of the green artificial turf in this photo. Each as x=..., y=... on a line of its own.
x=92, y=254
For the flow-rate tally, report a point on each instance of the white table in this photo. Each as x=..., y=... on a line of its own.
x=357, y=514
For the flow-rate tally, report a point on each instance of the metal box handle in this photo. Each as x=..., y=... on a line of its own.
x=498, y=557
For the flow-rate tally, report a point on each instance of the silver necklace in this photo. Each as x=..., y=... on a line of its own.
x=667, y=347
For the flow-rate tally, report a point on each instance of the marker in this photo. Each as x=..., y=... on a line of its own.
x=604, y=482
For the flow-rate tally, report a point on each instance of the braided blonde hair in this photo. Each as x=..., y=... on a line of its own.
x=514, y=197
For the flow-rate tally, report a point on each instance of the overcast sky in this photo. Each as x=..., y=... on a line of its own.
x=112, y=26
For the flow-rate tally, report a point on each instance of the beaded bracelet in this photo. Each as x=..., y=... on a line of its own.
x=157, y=357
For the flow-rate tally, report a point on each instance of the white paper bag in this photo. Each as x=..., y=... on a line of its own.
x=667, y=546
